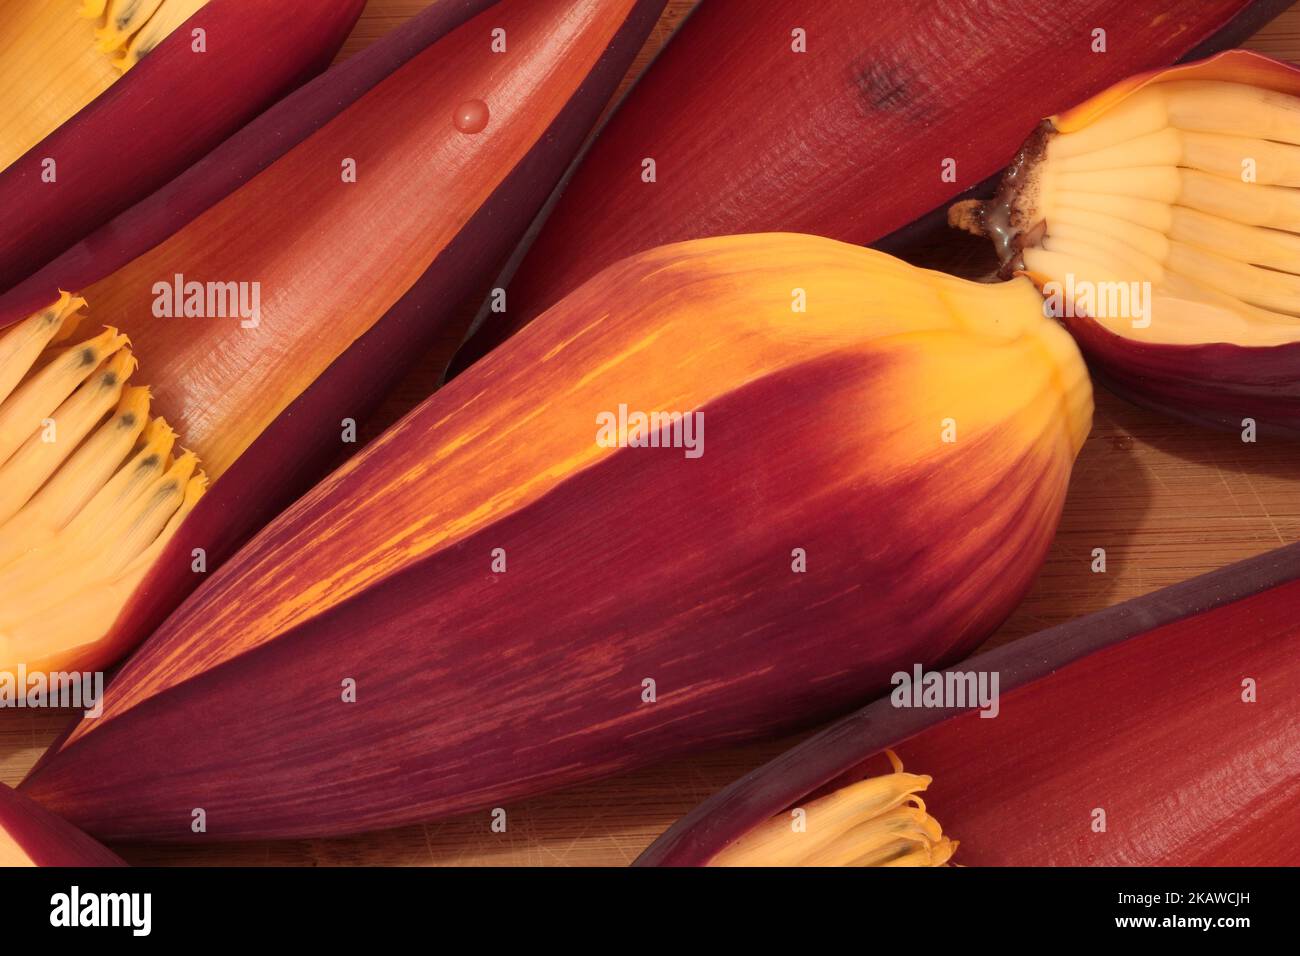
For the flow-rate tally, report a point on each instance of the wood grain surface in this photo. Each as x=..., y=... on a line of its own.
x=1166, y=502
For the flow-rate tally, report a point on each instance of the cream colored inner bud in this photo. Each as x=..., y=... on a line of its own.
x=1190, y=188
x=90, y=488
x=876, y=822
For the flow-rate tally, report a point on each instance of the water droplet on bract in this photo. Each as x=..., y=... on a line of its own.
x=471, y=116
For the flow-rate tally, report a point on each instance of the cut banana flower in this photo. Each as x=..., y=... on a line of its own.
x=263, y=362
x=91, y=488
x=1184, y=186
x=879, y=821
x=71, y=55
x=1164, y=213
x=76, y=115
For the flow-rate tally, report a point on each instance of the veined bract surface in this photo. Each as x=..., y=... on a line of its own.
x=841, y=118
x=1186, y=698
x=32, y=836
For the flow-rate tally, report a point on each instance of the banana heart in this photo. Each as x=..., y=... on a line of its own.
x=520, y=600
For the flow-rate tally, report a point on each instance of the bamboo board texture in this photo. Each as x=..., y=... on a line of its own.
x=1166, y=501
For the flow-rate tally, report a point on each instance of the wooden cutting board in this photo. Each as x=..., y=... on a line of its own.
x=1166, y=502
